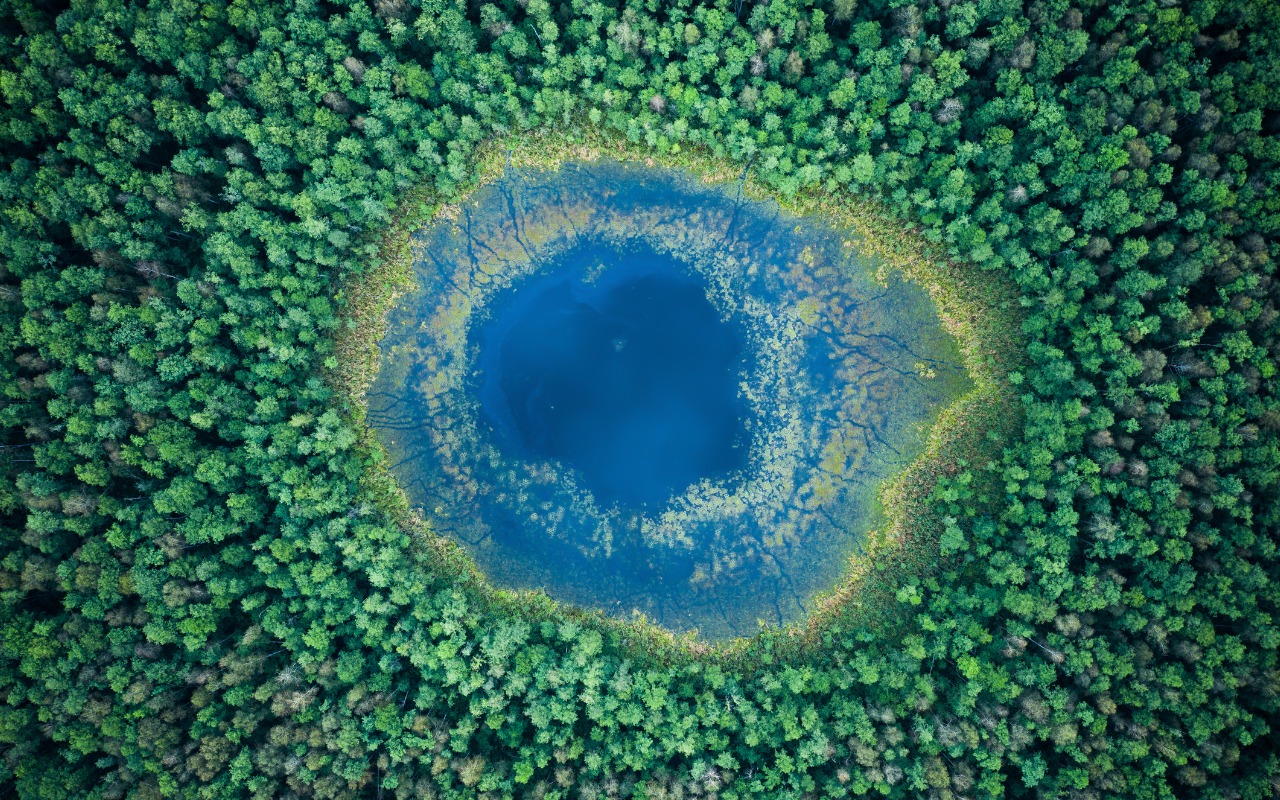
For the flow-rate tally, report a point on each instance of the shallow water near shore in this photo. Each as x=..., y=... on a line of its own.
x=643, y=394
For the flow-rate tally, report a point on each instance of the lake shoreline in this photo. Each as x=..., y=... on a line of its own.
x=974, y=306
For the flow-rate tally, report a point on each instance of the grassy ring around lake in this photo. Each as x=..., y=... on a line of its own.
x=909, y=383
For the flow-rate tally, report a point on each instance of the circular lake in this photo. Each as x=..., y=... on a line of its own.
x=641, y=393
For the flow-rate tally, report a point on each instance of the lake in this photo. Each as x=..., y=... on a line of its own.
x=645, y=394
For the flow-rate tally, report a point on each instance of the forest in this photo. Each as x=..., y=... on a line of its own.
x=209, y=584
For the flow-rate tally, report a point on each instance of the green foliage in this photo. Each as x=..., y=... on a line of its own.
x=204, y=594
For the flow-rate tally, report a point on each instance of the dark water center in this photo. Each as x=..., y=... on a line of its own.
x=617, y=366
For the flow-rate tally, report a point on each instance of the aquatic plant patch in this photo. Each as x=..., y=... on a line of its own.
x=647, y=394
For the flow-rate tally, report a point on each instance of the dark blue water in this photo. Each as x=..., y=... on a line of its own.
x=630, y=379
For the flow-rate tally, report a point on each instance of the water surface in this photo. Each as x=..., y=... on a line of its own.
x=644, y=394
x=619, y=367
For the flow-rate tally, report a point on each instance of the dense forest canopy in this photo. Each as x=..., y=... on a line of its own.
x=207, y=590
